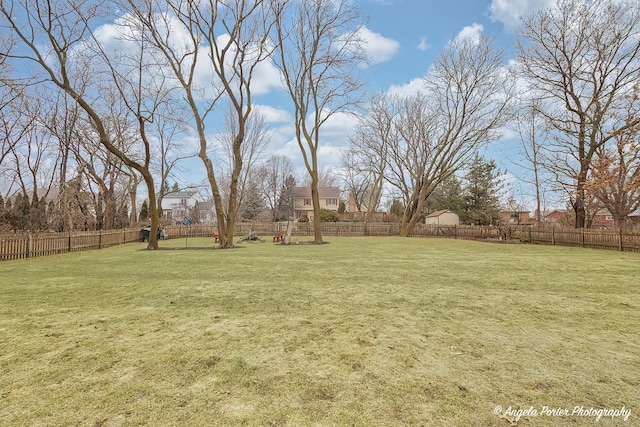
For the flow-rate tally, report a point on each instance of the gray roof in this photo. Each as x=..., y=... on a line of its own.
x=331, y=192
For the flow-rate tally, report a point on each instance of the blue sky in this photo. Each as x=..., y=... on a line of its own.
x=403, y=37
x=421, y=29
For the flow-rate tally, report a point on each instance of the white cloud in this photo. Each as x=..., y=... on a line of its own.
x=414, y=86
x=329, y=155
x=423, y=45
x=273, y=114
x=334, y=137
x=379, y=48
x=509, y=12
x=266, y=78
x=473, y=32
x=338, y=128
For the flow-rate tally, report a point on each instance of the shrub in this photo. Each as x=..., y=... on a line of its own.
x=327, y=215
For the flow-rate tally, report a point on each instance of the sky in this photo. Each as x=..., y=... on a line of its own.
x=403, y=37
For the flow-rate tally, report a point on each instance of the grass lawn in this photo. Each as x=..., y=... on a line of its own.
x=360, y=331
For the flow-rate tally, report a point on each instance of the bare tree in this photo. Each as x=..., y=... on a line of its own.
x=366, y=158
x=318, y=51
x=168, y=129
x=355, y=179
x=12, y=130
x=581, y=57
x=33, y=155
x=234, y=38
x=251, y=151
x=614, y=179
x=327, y=177
x=58, y=38
x=533, y=138
x=433, y=135
x=275, y=175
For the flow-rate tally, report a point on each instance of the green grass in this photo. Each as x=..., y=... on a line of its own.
x=361, y=331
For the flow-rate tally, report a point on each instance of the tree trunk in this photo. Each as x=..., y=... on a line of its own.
x=579, y=205
x=109, y=209
x=153, y=211
x=315, y=200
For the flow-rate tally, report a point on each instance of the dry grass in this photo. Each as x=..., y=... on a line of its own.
x=361, y=331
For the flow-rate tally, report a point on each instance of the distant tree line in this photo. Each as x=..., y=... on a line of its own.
x=95, y=114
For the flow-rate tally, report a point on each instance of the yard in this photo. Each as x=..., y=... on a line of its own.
x=360, y=331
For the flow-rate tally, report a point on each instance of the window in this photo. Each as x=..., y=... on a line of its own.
x=307, y=202
x=332, y=202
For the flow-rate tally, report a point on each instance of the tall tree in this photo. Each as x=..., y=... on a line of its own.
x=432, y=135
x=481, y=200
x=533, y=138
x=615, y=175
x=448, y=194
x=59, y=39
x=274, y=175
x=366, y=158
x=581, y=58
x=232, y=37
x=318, y=52
x=252, y=203
x=256, y=139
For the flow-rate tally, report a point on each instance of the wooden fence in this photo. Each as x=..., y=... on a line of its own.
x=28, y=245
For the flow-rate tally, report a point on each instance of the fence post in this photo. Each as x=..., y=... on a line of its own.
x=583, y=237
x=553, y=235
x=29, y=244
x=99, y=239
x=621, y=247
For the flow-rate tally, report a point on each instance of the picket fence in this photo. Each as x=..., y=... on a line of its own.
x=30, y=245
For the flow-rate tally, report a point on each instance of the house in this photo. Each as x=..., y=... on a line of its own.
x=443, y=217
x=554, y=216
x=352, y=206
x=206, y=213
x=603, y=219
x=302, y=204
x=515, y=217
x=177, y=205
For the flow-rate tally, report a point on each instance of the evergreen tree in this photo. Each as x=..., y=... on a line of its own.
x=37, y=214
x=20, y=214
x=252, y=204
x=7, y=213
x=481, y=204
x=285, y=210
x=447, y=195
x=397, y=208
x=121, y=219
x=144, y=212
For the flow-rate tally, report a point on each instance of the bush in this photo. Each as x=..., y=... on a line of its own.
x=327, y=215
x=303, y=218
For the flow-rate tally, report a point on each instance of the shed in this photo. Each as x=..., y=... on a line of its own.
x=443, y=217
